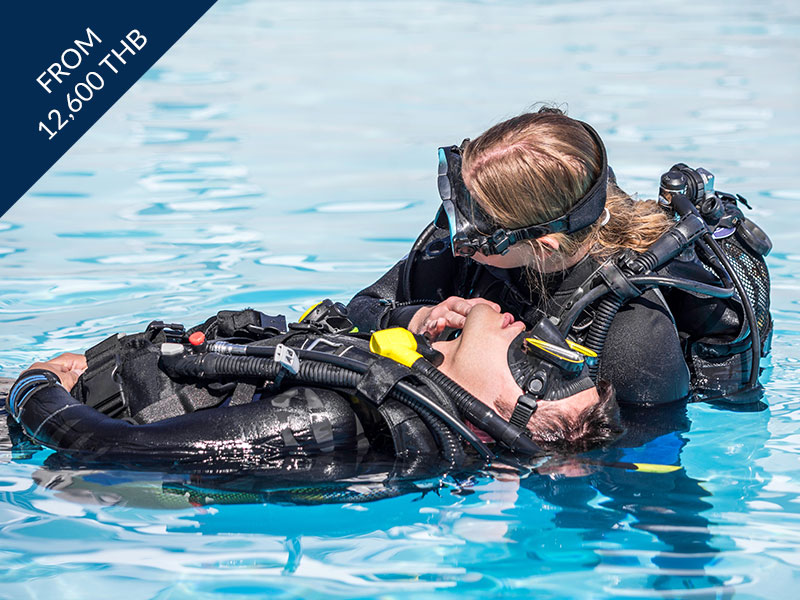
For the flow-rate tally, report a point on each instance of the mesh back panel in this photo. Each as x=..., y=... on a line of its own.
x=752, y=272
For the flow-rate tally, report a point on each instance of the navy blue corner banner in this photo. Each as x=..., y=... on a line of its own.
x=66, y=64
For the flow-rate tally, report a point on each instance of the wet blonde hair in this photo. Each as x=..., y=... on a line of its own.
x=535, y=167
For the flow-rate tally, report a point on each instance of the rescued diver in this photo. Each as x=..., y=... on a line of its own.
x=673, y=295
x=191, y=413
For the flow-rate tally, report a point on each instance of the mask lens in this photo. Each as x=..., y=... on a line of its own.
x=460, y=246
x=442, y=162
x=445, y=189
x=450, y=210
x=459, y=241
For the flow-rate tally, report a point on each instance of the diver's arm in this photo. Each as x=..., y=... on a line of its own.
x=375, y=307
x=434, y=277
x=430, y=278
x=642, y=355
x=312, y=419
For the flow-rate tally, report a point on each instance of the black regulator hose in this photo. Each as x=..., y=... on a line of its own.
x=478, y=413
x=598, y=332
x=314, y=369
x=453, y=422
x=755, y=336
x=448, y=443
x=446, y=436
x=568, y=320
x=714, y=262
x=713, y=291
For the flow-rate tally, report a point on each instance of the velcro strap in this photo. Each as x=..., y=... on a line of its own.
x=379, y=380
x=523, y=411
x=243, y=394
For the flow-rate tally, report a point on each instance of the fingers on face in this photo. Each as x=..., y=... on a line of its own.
x=453, y=313
x=475, y=301
x=447, y=310
x=463, y=305
x=451, y=319
x=463, y=308
x=456, y=320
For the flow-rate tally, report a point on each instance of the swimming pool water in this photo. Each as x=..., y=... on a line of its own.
x=284, y=152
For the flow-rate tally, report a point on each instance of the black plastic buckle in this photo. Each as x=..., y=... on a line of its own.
x=173, y=332
x=617, y=280
x=523, y=411
x=500, y=241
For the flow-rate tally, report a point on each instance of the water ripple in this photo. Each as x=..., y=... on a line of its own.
x=361, y=207
x=268, y=177
x=303, y=262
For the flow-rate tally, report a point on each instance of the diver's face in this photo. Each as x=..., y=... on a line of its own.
x=478, y=358
x=544, y=256
x=518, y=255
x=478, y=361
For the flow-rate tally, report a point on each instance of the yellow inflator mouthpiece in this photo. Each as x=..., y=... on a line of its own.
x=396, y=343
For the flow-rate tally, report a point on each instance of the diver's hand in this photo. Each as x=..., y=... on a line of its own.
x=67, y=366
x=432, y=320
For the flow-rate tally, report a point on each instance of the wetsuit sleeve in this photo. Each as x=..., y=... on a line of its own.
x=433, y=276
x=642, y=355
x=298, y=419
x=375, y=308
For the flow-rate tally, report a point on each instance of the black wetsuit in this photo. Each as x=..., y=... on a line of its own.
x=300, y=419
x=644, y=352
x=184, y=420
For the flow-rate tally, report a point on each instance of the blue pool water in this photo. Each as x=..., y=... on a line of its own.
x=283, y=152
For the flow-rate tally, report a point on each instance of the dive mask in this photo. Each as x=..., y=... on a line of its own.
x=473, y=230
x=543, y=350
x=547, y=367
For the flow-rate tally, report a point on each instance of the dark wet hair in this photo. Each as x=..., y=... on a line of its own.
x=597, y=425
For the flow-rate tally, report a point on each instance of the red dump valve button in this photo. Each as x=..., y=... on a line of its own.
x=198, y=338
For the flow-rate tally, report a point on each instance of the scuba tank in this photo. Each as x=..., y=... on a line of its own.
x=711, y=226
